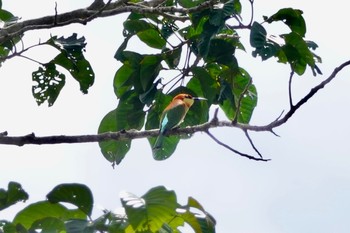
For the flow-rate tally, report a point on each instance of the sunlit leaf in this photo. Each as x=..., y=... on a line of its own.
x=152, y=210
x=44, y=209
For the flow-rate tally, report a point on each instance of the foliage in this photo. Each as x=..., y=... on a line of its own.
x=155, y=211
x=207, y=45
x=196, y=57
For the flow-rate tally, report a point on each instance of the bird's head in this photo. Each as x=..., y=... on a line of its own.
x=187, y=99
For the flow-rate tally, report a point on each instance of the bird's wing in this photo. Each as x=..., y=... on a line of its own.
x=173, y=117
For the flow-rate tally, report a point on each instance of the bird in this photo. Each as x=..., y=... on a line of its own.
x=173, y=115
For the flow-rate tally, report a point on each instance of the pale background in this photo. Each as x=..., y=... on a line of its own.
x=304, y=189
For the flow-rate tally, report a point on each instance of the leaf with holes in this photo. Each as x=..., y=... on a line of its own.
x=48, y=83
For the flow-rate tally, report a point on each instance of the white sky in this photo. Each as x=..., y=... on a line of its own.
x=304, y=189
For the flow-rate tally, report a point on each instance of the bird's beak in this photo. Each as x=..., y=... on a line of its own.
x=199, y=98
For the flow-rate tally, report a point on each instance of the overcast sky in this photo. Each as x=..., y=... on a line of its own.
x=305, y=188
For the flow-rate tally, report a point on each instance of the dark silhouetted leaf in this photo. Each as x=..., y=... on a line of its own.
x=292, y=18
x=76, y=194
x=12, y=195
x=48, y=83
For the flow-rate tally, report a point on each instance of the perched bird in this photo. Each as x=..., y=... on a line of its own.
x=173, y=115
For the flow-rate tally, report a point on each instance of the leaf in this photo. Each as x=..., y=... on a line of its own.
x=169, y=147
x=78, y=226
x=234, y=93
x=297, y=53
x=292, y=18
x=149, y=70
x=152, y=210
x=263, y=47
x=195, y=215
x=76, y=194
x=123, y=80
x=44, y=209
x=257, y=35
x=209, y=87
x=190, y=3
x=128, y=115
x=152, y=38
x=14, y=194
x=172, y=57
x=49, y=224
x=135, y=26
x=48, y=83
x=222, y=51
x=72, y=59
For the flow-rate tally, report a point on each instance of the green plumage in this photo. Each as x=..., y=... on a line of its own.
x=171, y=117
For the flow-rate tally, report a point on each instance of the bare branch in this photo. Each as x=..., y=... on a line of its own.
x=252, y=143
x=233, y=150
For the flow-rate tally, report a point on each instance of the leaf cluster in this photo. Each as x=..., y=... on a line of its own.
x=155, y=211
x=194, y=52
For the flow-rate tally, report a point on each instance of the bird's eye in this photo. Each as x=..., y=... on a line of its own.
x=188, y=96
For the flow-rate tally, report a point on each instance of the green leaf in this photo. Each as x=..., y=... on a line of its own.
x=298, y=53
x=292, y=18
x=78, y=226
x=209, y=87
x=149, y=96
x=222, y=51
x=76, y=194
x=169, y=147
x=72, y=59
x=128, y=115
x=152, y=210
x=49, y=224
x=44, y=209
x=14, y=194
x=152, y=38
x=133, y=27
x=190, y=3
x=123, y=80
x=257, y=35
x=149, y=70
x=263, y=47
x=48, y=83
x=113, y=151
x=172, y=57
x=237, y=90
x=195, y=215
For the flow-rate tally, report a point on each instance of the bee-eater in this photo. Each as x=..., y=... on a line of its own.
x=173, y=115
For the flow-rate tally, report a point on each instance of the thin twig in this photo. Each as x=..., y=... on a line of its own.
x=234, y=150
x=252, y=143
x=290, y=89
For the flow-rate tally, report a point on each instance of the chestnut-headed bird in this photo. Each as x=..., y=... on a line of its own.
x=173, y=115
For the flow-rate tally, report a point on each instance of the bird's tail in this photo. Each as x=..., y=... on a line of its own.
x=159, y=142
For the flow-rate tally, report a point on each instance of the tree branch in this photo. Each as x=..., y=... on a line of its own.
x=85, y=15
x=134, y=134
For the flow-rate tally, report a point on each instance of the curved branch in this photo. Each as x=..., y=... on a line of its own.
x=85, y=15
